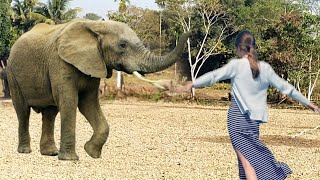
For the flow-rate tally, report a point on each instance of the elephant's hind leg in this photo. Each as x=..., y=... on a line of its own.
x=23, y=114
x=90, y=108
x=47, y=143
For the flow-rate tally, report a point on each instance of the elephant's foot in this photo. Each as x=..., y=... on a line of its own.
x=49, y=150
x=93, y=150
x=67, y=156
x=24, y=149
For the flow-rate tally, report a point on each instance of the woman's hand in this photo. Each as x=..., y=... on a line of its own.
x=314, y=108
x=186, y=88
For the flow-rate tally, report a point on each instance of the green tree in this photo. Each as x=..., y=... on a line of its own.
x=92, y=16
x=57, y=11
x=5, y=26
x=307, y=69
x=121, y=15
x=211, y=26
x=25, y=15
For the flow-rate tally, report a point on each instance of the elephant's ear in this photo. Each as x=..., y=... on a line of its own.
x=78, y=44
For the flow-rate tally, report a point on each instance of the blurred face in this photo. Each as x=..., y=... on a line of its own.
x=243, y=43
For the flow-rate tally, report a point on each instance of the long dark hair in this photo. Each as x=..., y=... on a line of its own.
x=246, y=42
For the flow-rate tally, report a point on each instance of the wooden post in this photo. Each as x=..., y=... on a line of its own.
x=119, y=81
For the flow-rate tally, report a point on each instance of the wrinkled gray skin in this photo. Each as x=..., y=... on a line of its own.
x=57, y=68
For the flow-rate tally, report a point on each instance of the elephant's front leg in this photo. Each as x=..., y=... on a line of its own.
x=90, y=108
x=68, y=108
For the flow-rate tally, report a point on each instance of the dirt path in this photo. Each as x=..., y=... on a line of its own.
x=160, y=141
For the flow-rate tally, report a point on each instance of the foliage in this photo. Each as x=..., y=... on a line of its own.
x=122, y=5
x=92, y=16
x=211, y=26
x=25, y=15
x=147, y=26
x=308, y=55
x=57, y=11
x=5, y=27
x=285, y=38
x=121, y=15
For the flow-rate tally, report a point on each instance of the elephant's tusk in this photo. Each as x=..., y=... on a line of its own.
x=155, y=83
x=142, y=78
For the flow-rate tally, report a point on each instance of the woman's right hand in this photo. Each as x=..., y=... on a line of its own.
x=314, y=108
x=186, y=88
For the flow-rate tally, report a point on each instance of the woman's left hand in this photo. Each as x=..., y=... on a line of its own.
x=314, y=108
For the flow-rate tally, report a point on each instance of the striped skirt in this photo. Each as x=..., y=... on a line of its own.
x=244, y=135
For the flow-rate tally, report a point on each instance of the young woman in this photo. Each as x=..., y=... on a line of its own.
x=250, y=80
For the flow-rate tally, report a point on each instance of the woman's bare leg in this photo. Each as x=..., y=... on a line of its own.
x=248, y=169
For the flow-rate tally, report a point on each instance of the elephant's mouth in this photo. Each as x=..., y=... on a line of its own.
x=120, y=67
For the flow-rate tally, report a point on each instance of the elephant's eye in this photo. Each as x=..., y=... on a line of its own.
x=123, y=45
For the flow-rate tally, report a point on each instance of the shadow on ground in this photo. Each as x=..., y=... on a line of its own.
x=273, y=140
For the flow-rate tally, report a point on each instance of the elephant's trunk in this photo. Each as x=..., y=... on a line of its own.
x=153, y=63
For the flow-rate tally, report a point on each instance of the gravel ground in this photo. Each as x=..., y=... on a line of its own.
x=160, y=141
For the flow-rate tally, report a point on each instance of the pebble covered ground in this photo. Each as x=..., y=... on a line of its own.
x=160, y=141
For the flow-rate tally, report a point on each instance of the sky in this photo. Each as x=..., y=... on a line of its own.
x=101, y=7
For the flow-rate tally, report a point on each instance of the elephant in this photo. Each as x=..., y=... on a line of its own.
x=57, y=68
x=4, y=81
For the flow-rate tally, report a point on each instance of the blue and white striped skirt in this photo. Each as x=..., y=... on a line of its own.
x=244, y=135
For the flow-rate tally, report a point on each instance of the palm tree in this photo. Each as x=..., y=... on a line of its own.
x=24, y=14
x=58, y=11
